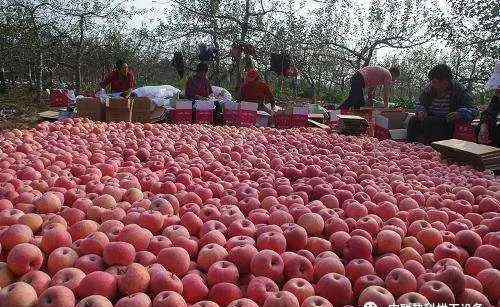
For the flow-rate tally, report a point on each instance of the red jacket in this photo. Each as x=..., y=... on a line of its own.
x=257, y=91
x=118, y=83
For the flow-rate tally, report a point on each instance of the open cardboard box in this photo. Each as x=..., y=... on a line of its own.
x=391, y=124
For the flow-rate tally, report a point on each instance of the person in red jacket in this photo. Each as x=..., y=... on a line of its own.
x=255, y=89
x=121, y=80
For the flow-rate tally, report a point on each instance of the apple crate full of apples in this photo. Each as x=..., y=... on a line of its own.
x=155, y=215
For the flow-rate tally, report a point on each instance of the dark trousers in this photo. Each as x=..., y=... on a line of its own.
x=430, y=129
x=356, y=98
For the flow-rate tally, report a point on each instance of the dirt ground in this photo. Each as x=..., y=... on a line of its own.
x=19, y=108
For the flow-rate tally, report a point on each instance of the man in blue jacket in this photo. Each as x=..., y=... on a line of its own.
x=441, y=103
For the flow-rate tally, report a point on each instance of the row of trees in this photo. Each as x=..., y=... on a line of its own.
x=42, y=41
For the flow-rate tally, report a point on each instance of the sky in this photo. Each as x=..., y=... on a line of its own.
x=156, y=7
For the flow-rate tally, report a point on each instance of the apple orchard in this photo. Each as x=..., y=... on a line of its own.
x=141, y=215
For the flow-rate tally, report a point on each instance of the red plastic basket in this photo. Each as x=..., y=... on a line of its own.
x=247, y=118
x=59, y=98
x=231, y=117
x=282, y=121
x=464, y=131
x=183, y=116
x=299, y=120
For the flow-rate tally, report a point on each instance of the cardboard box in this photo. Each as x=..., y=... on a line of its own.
x=391, y=125
x=142, y=110
x=119, y=110
x=300, y=116
x=231, y=113
x=183, y=111
x=92, y=108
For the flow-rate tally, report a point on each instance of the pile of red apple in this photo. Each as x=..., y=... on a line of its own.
x=122, y=214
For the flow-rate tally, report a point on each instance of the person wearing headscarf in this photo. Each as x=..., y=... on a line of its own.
x=489, y=127
x=198, y=87
x=120, y=81
x=255, y=89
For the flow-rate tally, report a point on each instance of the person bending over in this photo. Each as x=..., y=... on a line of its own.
x=368, y=79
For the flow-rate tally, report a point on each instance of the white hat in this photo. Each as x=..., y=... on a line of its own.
x=494, y=81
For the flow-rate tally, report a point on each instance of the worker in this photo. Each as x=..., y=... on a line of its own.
x=255, y=89
x=489, y=127
x=442, y=102
x=120, y=81
x=198, y=87
x=368, y=79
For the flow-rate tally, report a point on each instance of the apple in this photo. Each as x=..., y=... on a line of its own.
x=194, y=287
x=222, y=271
x=90, y=263
x=300, y=288
x=94, y=301
x=97, y=283
x=163, y=280
x=174, y=259
x=37, y=279
x=343, y=296
x=68, y=277
x=56, y=296
x=18, y=294
x=169, y=299
x=400, y=281
x=23, y=258
x=489, y=278
x=118, y=253
x=210, y=254
x=267, y=263
x=377, y=295
x=281, y=299
x=260, y=288
x=224, y=293
x=437, y=292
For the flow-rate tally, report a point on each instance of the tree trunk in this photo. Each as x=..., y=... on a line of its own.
x=80, y=54
x=214, y=9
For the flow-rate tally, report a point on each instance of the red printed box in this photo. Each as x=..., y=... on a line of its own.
x=282, y=120
x=205, y=117
x=182, y=116
x=248, y=113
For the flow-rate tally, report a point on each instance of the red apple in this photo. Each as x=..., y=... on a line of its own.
x=56, y=296
x=18, y=294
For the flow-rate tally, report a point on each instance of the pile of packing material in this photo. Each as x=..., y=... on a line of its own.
x=479, y=156
x=352, y=124
x=119, y=110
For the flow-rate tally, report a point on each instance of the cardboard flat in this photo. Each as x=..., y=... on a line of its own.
x=49, y=115
x=477, y=155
